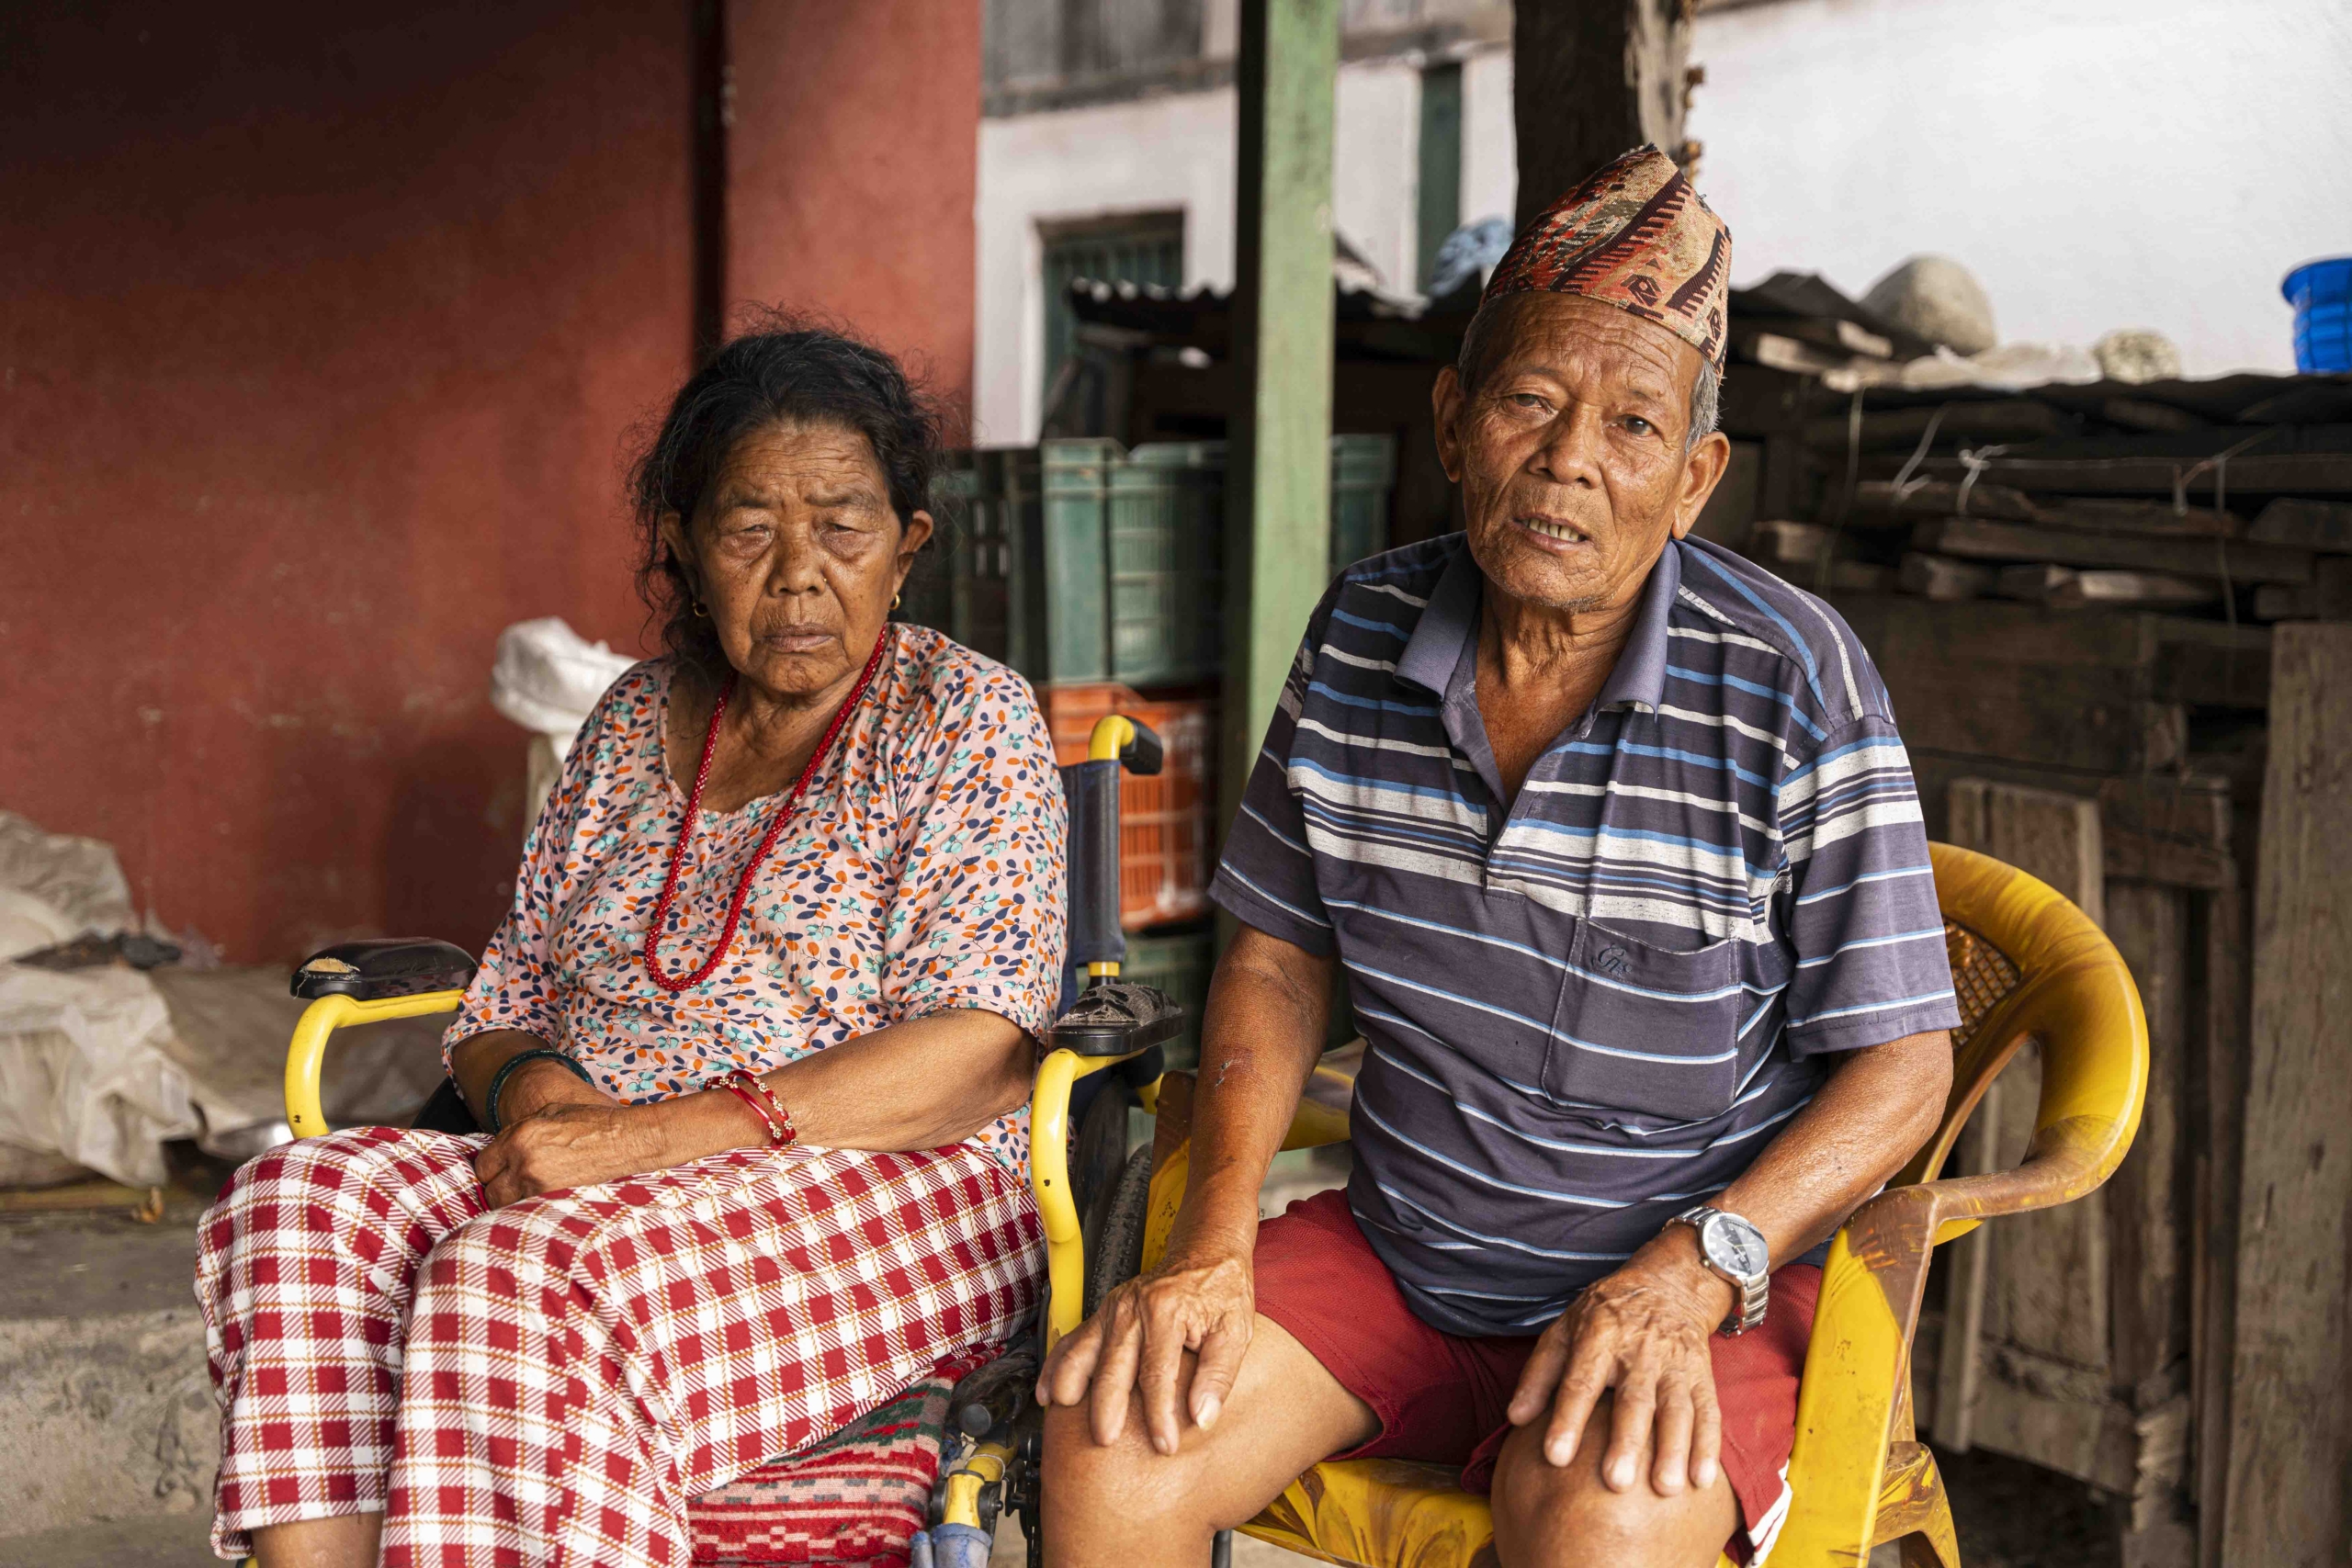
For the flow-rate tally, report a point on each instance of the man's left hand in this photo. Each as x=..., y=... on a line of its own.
x=572, y=1145
x=1644, y=1332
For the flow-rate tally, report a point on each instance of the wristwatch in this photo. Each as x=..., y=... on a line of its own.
x=1736, y=1253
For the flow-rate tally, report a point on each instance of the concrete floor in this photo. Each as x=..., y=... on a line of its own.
x=172, y=1541
x=107, y=1432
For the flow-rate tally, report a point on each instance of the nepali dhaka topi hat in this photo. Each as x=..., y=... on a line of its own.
x=1634, y=235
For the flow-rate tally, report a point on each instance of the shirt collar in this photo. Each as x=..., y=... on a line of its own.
x=1639, y=678
x=1450, y=621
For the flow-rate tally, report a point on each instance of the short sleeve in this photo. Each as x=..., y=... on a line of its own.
x=515, y=987
x=978, y=919
x=1861, y=912
x=1266, y=877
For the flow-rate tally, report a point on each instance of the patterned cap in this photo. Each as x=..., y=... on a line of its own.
x=1637, y=236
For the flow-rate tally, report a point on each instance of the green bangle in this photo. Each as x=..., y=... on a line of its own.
x=498, y=1079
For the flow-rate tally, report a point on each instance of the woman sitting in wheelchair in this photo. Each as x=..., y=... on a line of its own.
x=748, y=1053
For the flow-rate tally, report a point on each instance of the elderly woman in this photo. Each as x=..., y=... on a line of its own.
x=749, y=1050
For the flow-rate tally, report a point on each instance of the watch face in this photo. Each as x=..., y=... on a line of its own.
x=1733, y=1247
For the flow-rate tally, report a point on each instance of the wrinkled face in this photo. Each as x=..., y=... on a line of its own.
x=1571, y=451
x=797, y=555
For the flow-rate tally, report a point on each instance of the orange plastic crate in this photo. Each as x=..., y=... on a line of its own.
x=1163, y=819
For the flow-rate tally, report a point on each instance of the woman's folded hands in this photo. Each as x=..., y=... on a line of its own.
x=570, y=1142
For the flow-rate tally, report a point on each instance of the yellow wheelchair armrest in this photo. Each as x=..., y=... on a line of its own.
x=1049, y=1179
x=307, y=1054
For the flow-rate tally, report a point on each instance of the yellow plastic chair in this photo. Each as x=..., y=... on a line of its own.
x=2028, y=964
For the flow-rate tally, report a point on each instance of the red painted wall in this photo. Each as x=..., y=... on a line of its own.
x=323, y=332
x=883, y=95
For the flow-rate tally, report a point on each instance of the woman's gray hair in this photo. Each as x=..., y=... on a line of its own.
x=1706, y=391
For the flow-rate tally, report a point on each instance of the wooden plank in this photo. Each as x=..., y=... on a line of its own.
x=2083, y=719
x=2206, y=663
x=1942, y=578
x=1979, y=538
x=2061, y=1422
x=2159, y=518
x=2311, y=525
x=2148, y=1198
x=2069, y=588
x=2217, y=1085
x=2043, y=832
x=1968, y=1262
x=2043, y=1392
x=2001, y=419
x=2260, y=473
x=2326, y=597
x=2290, y=1446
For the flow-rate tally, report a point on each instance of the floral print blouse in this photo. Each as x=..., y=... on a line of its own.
x=922, y=872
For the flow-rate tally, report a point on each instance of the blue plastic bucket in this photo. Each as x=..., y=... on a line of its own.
x=2321, y=292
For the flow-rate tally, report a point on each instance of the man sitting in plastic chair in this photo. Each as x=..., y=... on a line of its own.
x=1614, y=837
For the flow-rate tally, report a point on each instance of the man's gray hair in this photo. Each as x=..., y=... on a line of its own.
x=1706, y=391
x=1706, y=402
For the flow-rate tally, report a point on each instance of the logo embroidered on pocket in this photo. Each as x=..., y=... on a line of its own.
x=1610, y=961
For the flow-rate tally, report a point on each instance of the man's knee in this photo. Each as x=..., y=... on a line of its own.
x=1088, y=1484
x=1549, y=1515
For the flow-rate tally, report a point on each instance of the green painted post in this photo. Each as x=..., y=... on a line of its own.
x=1278, y=495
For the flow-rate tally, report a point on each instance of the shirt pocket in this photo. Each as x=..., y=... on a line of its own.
x=1646, y=1030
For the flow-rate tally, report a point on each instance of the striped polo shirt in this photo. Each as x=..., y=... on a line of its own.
x=1594, y=1006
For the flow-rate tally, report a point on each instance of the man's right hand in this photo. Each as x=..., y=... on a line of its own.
x=1175, y=1335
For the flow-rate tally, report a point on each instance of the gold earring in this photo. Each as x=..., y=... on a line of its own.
x=894, y=601
x=700, y=611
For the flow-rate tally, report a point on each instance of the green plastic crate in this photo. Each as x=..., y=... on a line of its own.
x=1177, y=964
x=1364, y=473
x=982, y=588
x=1082, y=560
x=1140, y=535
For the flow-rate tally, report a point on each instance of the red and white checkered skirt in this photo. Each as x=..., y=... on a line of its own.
x=550, y=1382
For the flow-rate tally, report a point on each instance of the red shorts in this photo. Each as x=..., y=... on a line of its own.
x=1441, y=1397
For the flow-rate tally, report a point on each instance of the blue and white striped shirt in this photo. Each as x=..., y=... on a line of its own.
x=1589, y=1010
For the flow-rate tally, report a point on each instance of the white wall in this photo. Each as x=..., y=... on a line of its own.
x=1173, y=153
x=1489, y=145
x=1176, y=152
x=2097, y=164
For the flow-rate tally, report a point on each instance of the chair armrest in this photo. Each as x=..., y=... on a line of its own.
x=306, y=1054
x=1117, y=1018
x=1858, y=1365
x=378, y=967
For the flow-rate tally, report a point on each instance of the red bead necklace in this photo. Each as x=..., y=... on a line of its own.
x=674, y=983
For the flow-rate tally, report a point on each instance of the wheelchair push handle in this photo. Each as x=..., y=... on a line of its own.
x=1096, y=942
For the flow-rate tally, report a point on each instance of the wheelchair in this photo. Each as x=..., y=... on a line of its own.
x=2027, y=965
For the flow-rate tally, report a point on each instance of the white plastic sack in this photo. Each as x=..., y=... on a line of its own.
x=229, y=1031
x=546, y=679
x=79, y=879
x=83, y=1074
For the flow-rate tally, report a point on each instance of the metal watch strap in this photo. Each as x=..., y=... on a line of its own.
x=1751, y=1296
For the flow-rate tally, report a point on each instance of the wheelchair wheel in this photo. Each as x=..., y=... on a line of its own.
x=1117, y=1252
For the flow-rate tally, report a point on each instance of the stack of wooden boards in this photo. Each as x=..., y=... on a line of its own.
x=2228, y=498
x=2091, y=606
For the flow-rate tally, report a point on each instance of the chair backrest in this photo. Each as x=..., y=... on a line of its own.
x=2028, y=964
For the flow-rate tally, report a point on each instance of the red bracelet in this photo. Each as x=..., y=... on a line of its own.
x=776, y=1138
x=751, y=1091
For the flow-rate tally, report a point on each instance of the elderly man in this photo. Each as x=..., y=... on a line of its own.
x=1612, y=837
